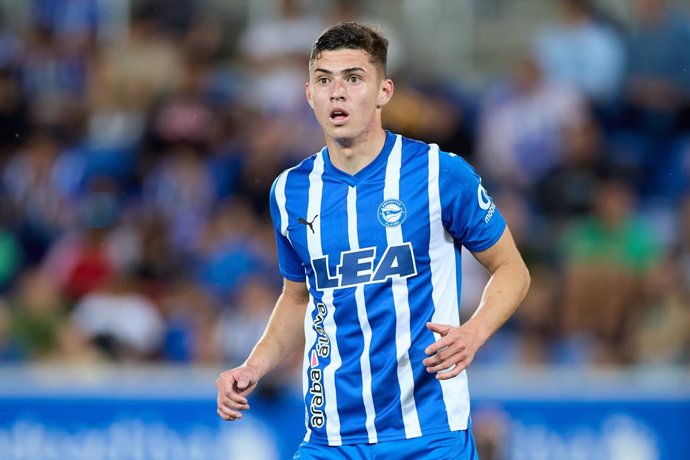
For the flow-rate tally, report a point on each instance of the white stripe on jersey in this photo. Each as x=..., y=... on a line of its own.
x=280, y=199
x=394, y=236
x=310, y=338
x=444, y=293
x=315, y=251
x=363, y=320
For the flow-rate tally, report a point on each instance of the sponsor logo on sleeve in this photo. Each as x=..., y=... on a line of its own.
x=485, y=203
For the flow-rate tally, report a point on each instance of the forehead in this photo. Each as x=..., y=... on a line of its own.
x=338, y=60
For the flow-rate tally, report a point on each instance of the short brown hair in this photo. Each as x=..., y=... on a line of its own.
x=352, y=35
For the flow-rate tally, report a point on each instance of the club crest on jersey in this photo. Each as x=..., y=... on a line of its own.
x=392, y=212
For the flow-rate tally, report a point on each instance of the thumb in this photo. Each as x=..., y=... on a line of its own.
x=440, y=328
x=243, y=381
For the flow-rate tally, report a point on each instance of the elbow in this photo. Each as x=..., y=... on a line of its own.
x=526, y=280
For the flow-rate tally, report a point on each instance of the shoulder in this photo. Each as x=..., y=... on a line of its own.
x=455, y=169
x=301, y=169
x=452, y=167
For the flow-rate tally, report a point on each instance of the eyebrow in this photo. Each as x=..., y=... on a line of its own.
x=344, y=71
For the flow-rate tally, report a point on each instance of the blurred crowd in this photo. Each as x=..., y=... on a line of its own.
x=135, y=173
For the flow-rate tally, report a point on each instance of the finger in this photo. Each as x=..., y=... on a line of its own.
x=228, y=414
x=444, y=352
x=228, y=388
x=233, y=403
x=243, y=382
x=431, y=360
x=445, y=364
x=453, y=372
x=437, y=357
x=438, y=328
x=235, y=397
x=436, y=346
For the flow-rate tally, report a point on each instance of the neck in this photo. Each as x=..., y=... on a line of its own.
x=352, y=155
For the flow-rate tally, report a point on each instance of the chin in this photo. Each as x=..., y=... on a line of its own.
x=338, y=132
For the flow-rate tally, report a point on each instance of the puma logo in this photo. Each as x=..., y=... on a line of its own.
x=301, y=220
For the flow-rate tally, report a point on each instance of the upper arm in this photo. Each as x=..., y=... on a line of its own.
x=289, y=263
x=468, y=211
x=503, y=252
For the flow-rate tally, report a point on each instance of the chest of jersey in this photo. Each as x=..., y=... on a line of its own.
x=362, y=234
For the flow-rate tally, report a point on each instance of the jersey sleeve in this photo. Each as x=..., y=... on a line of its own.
x=289, y=262
x=469, y=213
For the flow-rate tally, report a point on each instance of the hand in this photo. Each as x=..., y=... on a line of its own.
x=452, y=353
x=233, y=388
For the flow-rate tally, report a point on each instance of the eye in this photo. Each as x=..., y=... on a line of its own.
x=322, y=80
x=354, y=78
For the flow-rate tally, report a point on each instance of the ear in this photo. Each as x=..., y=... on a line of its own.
x=307, y=90
x=385, y=92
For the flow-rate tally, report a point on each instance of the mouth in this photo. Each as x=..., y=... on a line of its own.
x=338, y=116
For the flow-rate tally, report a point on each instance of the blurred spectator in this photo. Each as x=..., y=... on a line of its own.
x=14, y=113
x=11, y=47
x=433, y=110
x=657, y=77
x=606, y=257
x=185, y=115
x=5, y=352
x=157, y=263
x=522, y=122
x=54, y=78
x=73, y=347
x=11, y=254
x=191, y=319
x=41, y=183
x=661, y=333
x=78, y=24
x=229, y=252
x=131, y=76
x=10, y=257
x=568, y=189
x=277, y=53
x=38, y=311
x=124, y=325
x=684, y=240
x=583, y=51
x=180, y=187
x=84, y=258
x=241, y=326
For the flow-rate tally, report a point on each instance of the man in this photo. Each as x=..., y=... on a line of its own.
x=369, y=232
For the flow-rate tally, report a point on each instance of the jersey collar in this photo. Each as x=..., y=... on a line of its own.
x=367, y=171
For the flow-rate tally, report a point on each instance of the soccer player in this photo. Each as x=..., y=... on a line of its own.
x=369, y=232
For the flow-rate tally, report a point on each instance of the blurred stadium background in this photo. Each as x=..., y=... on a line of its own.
x=139, y=139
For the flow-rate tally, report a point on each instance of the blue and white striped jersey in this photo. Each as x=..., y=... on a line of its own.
x=380, y=253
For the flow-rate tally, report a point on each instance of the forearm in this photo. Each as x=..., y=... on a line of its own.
x=283, y=335
x=505, y=290
x=502, y=295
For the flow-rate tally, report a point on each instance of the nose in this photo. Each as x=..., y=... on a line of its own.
x=337, y=91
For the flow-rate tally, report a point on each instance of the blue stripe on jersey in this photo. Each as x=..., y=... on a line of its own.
x=415, y=174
